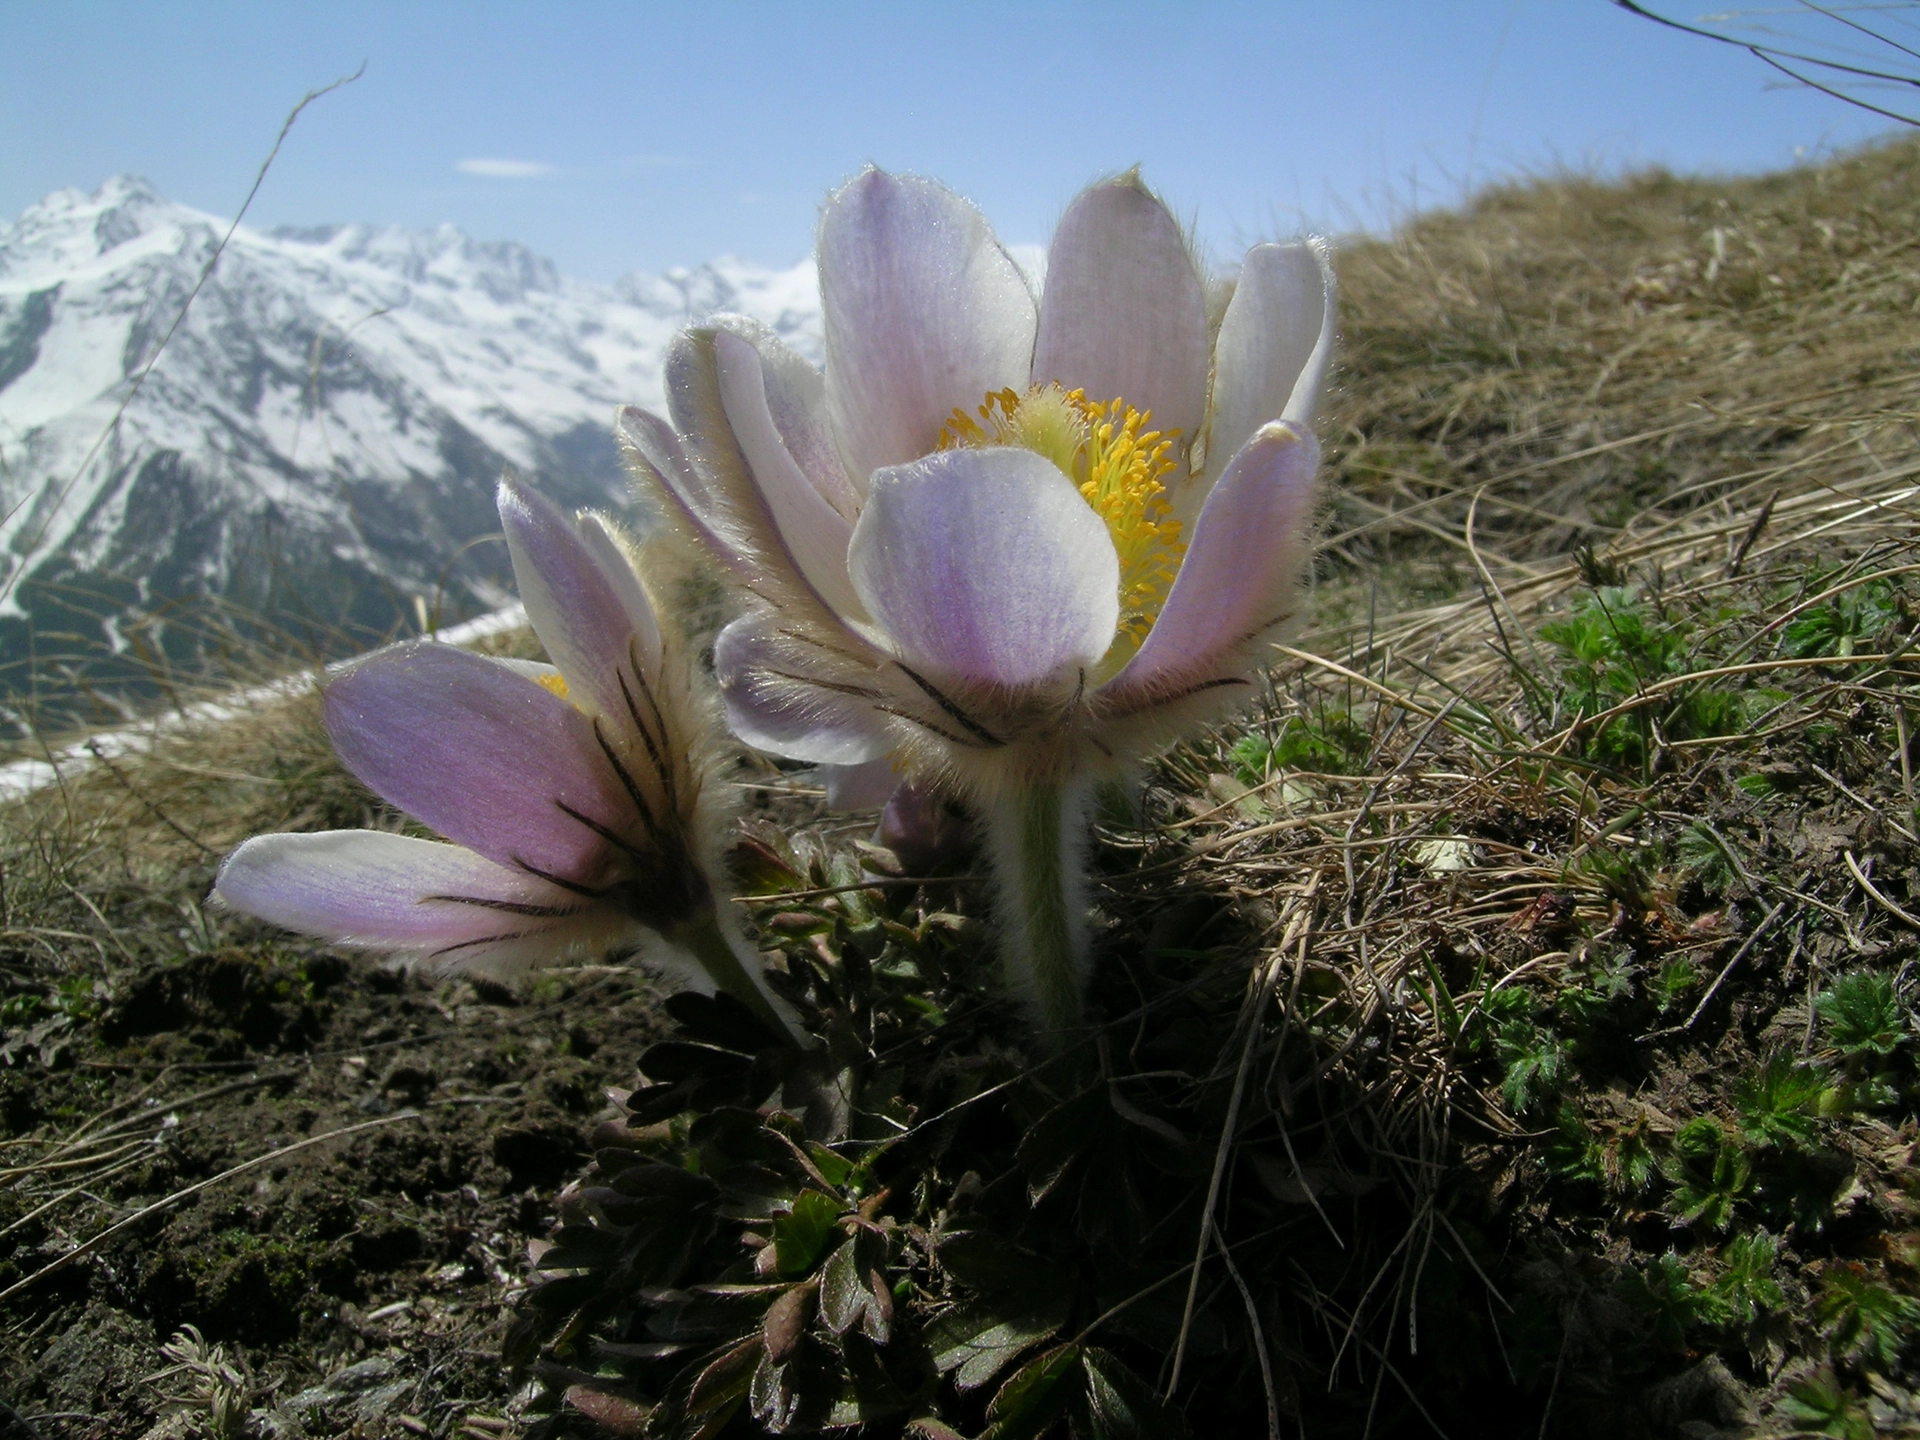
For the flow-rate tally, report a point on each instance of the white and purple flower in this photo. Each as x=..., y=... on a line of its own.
x=578, y=796
x=1003, y=544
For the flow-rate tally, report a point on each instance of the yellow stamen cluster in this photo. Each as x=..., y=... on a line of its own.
x=556, y=682
x=1121, y=469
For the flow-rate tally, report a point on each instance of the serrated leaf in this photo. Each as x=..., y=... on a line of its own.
x=1122, y=1406
x=801, y=1237
x=976, y=1344
x=853, y=1289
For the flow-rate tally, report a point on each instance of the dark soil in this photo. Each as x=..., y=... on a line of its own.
x=402, y=1245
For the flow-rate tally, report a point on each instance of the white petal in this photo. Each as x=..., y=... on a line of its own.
x=815, y=534
x=1240, y=572
x=377, y=891
x=1275, y=341
x=787, y=699
x=986, y=566
x=925, y=314
x=1124, y=314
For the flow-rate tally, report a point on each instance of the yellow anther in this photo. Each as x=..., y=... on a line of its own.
x=1121, y=468
x=555, y=681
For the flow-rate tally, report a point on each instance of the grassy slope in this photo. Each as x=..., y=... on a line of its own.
x=1596, y=1054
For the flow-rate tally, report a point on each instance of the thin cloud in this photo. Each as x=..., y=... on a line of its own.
x=503, y=169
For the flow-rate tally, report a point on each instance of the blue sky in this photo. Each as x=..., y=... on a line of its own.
x=646, y=135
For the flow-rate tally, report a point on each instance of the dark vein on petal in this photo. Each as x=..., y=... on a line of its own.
x=612, y=837
x=512, y=907
x=964, y=720
x=656, y=752
x=628, y=783
x=572, y=886
x=483, y=940
x=837, y=686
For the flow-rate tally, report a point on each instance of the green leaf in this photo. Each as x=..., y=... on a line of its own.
x=1780, y=1105
x=835, y=1168
x=801, y=1236
x=977, y=1343
x=1122, y=1406
x=1035, y=1396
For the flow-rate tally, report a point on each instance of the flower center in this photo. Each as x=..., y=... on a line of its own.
x=1120, y=466
x=556, y=682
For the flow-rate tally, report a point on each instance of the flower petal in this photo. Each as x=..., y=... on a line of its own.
x=784, y=698
x=796, y=393
x=582, y=597
x=814, y=532
x=377, y=891
x=1275, y=341
x=668, y=481
x=924, y=313
x=986, y=565
x=860, y=787
x=1248, y=547
x=1124, y=313
x=483, y=755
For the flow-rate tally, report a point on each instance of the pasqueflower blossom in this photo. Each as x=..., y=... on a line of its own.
x=579, y=796
x=1009, y=545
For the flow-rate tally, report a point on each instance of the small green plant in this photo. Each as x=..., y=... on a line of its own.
x=1780, y=1103
x=1328, y=743
x=1668, y=1301
x=1709, y=1172
x=1746, y=1287
x=1850, y=621
x=1676, y=982
x=1865, y=1321
x=1536, y=1064
x=1863, y=1016
x=1611, y=648
x=1703, y=859
x=1819, y=1404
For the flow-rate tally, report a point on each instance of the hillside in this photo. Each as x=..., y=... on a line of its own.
x=1519, y=998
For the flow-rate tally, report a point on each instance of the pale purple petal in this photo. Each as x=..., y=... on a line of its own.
x=667, y=478
x=986, y=566
x=388, y=892
x=486, y=757
x=1124, y=314
x=611, y=554
x=924, y=314
x=1271, y=359
x=796, y=393
x=787, y=699
x=1240, y=571
x=813, y=532
x=583, y=600
x=860, y=787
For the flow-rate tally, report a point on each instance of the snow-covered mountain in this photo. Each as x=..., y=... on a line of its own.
x=321, y=435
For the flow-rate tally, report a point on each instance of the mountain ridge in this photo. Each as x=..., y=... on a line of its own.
x=320, y=435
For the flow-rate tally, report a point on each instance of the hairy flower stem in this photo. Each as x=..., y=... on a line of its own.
x=1037, y=839
x=709, y=943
